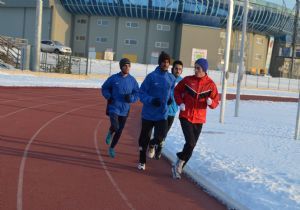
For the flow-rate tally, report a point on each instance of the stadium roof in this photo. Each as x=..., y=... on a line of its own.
x=264, y=17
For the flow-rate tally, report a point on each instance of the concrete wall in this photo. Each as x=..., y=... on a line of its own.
x=60, y=23
x=134, y=51
x=103, y=31
x=17, y=19
x=145, y=34
x=80, y=35
x=159, y=36
x=200, y=38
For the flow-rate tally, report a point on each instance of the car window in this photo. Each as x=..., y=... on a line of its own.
x=58, y=43
x=44, y=42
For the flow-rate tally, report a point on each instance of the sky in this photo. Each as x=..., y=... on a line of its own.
x=250, y=161
x=289, y=3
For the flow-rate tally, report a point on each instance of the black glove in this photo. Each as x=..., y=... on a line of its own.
x=127, y=98
x=156, y=102
x=109, y=101
x=169, y=101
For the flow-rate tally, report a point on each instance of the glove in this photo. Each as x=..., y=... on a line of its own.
x=209, y=101
x=127, y=98
x=182, y=107
x=156, y=102
x=169, y=101
x=109, y=101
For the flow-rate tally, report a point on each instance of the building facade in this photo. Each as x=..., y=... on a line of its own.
x=140, y=30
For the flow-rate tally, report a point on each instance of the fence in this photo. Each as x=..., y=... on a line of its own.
x=76, y=65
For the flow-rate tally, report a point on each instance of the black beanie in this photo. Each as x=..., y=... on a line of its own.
x=162, y=57
x=123, y=62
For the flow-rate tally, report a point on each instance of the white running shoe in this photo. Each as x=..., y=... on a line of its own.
x=179, y=165
x=175, y=173
x=142, y=166
x=177, y=169
x=151, y=151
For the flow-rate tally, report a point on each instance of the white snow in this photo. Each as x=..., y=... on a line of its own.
x=253, y=159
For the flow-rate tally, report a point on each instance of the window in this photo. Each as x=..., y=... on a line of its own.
x=221, y=51
x=258, y=56
x=102, y=22
x=81, y=21
x=130, y=24
x=101, y=39
x=161, y=27
x=80, y=38
x=164, y=45
x=223, y=35
x=259, y=41
x=130, y=42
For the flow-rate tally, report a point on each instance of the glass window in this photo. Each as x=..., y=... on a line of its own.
x=102, y=22
x=130, y=24
x=162, y=27
x=101, y=39
x=258, y=56
x=221, y=51
x=164, y=45
x=223, y=35
x=130, y=42
x=259, y=41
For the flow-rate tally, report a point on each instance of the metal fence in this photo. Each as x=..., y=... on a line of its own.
x=51, y=62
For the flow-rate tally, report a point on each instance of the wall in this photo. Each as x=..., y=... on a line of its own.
x=201, y=38
x=60, y=28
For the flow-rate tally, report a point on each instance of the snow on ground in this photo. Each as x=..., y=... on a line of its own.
x=252, y=159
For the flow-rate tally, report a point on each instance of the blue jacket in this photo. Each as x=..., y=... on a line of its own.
x=115, y=88
x=173, y=107
x=158, y=84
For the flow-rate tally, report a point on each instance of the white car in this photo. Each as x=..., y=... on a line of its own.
x=55, y=46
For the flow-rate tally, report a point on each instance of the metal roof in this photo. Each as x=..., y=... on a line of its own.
x=263, y=17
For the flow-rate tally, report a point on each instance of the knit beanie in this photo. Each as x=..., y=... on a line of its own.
x=162, y=57
x=123, y=62
x=203, y=63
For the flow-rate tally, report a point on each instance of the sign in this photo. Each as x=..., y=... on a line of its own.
x=198, y=53
x=108, y=56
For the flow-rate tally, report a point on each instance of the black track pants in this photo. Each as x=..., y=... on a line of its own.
x=191, y=134
x=145, y=135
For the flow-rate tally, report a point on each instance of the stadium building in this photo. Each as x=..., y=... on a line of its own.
x=139, y=29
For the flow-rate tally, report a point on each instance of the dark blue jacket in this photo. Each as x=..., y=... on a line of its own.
x=158, y=84
x=115, y=88
x=173, y=107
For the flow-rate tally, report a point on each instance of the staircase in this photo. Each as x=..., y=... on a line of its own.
x=11, y=49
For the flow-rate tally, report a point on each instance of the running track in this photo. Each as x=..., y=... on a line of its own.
x=53, y=156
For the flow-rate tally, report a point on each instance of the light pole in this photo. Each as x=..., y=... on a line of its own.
x=38, y=34
x=297, y=130
x=227, y=56
x=242, y=64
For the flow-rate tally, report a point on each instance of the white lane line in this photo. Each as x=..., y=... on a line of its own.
x=112, y=180
x=37, y=106
x=25, y=154
x=24, y=99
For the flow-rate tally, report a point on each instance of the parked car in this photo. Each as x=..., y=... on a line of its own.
x=55, y=47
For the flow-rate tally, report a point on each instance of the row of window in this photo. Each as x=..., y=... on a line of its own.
x=164, y=45
x=221, y=51
x=259, y=40
x=128, y=24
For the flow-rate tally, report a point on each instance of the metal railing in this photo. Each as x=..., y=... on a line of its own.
x=11, y=50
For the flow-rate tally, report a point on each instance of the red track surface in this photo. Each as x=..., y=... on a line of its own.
x=53, y=156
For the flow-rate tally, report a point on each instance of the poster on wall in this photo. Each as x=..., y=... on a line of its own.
x=198, y=53
x=269, y=53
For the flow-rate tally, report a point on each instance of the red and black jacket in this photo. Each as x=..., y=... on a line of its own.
x=193, y=92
